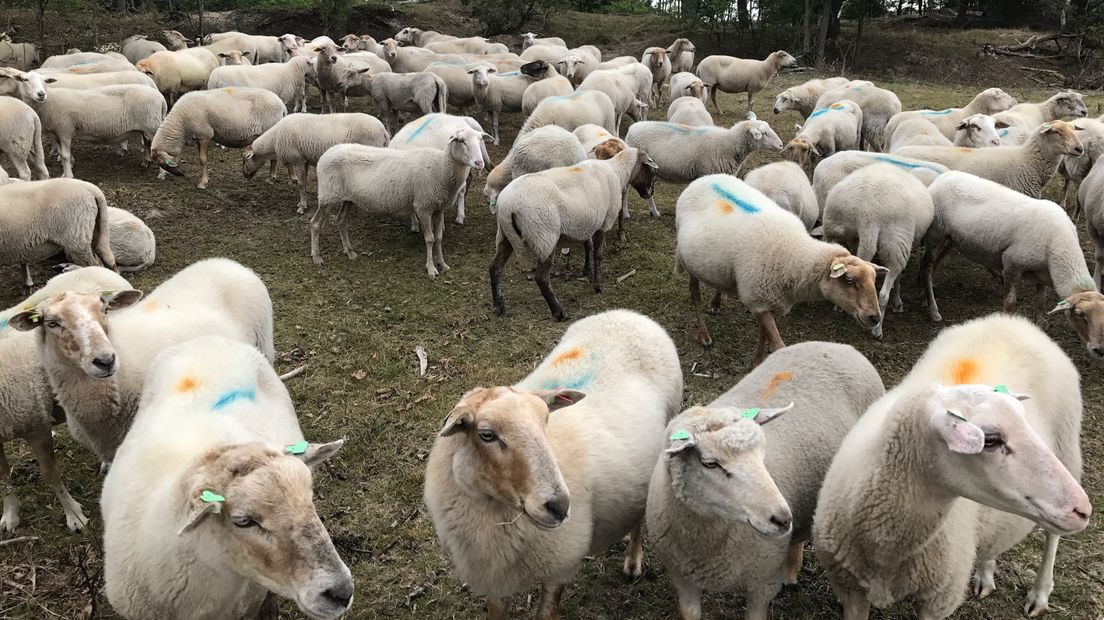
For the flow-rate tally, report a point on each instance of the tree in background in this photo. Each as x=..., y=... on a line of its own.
x=510, y=16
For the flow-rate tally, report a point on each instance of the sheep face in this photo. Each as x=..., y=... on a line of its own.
x=714, y=458
x=175, y=40
x=1070, y=103
x=849, y=282
x=30, y=86
x=527, y=40
x=327, y=54
x=609, y=148
x=567, y=65
x=784, y=101
x=502, y=451
x=408, y=35
x=75, y=328
x=643, y=177
x=288, y=42
x=994, y=457
x=480, y=75
x=802, y=151
x=390, y=50
x=996, y=100
x=234, y=57
x=251, y=508
x=466, y=146
x=761, y=135
x=658, y=56
x=1085, y=311
x=783, y=58
x=250, y=162
x=350, y=42
x=538, y=69
x=981, y=130
x=354, y=78
x=1060, y=138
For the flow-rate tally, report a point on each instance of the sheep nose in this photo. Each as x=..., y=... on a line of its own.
x=1078, y=151
x=873, y=319
x=557, y=508
x=1097, y=351
x=104, y=362
x=782, y=521
x=340, y=594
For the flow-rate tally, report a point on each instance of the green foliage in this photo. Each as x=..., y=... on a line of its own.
x=511, y=16
x=620, y=7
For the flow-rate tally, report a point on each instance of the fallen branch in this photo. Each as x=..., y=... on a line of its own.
x=18, y=539
x=626, y=276
x=1061, y=78
x=294, y=373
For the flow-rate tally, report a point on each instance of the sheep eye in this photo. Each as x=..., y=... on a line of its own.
x=993, y=440
x=53, y=324
x=487, y=436
x=1079, y=312
x=849, y=279
x=710, y=464
x=244, y=521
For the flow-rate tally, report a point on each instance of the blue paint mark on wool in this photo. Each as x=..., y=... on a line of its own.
x=577, y=382
x=233, y=396
x=686, y=129
x=906, y=164
x=939, y=113
x=420, y=128
x=574, y=95
x=3, y=324
x=510, y=74
x=725, y=193
x=1002, y=133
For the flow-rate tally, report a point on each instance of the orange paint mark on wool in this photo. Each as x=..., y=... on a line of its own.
x=149, y=306
x=964, y=370
x=724, y=207
x=776, y=381
x=569, y=355
x=575, y=169
x=187, y=384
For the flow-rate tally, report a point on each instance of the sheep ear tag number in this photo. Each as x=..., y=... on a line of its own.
x=296, y=448
x=680, y=435
x=749, y=414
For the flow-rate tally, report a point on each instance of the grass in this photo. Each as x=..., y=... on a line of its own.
x=357, y=323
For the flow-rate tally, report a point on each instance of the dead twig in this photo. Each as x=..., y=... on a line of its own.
x=294, y=373
x=18, y=539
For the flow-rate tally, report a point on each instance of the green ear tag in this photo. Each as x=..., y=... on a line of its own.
x=296, y=448
x=211, y=497
x=681, y=435
x=954, y=413
x=1000, y=389
x=749, y=414
x=35, y=318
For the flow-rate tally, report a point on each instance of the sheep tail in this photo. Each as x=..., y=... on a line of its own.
x=39, y=154
x=442, y=95
x=679, y=267
x=101, y=234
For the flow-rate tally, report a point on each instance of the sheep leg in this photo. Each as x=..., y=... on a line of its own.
x=343, y=229
x=689, y=599
x=544, y=268
x=202, y=146
x=503, y=250
x=10, y=520
x=438, y=240
x=27, y=281
x=1098, y=255
x=759, y=597
x=934, y=253
x=1041, y=293
x=494, y=125
x=550, y=601
x=634, y=554
x=599, y=243
x=750, y=96
x=496, y=609
x=588, y=252
x=43, y=448
x=983, y=581
x=1012, y=279
x=715, y=305
x=22, y=170
x=425, y=220
x=64, y=147
x=1037, y=599
x=888, y=286
x=713, y=97
x=300, y=174
x=318, y=220
x=768, y=334
x=695, y=299
x=271, y=172
x=895, y=303
x=855, y=604
x=795, y=556
x=460, y=196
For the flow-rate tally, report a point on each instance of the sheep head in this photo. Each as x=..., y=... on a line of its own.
x=1060, y=138
x=501, y=451
x=467, y=146
x=658, y=54
x=850, y=283
x=714, y=459
x=781, y=59
x=538, y=69
x=802, y=151
x=353, y=77
x=327, y=54
x=250, y=507
x=250, y=162
x=1085, y=312
x=609, y=148
x=234, y=57
x=408, y=35
x=569, y=64
x=350, y=42
x=995, y=100
x=759, y=134
x=784, y=101
x=480, y=75
x=390, y=50
x=643, y=177
x=1069, y=103
x=981, y=130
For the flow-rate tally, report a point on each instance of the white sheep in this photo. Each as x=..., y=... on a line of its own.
x=86, y=62
x=740, y=75
x=96, y=80
x=1091, y=199
x=1026, y=168
x=262, y=49
x=96, y=352
x=622, y=91
x=175, y=40
x=364, y=43
x=529, y=39
x=137, y=47
x=837, y=127
x=580, y=203
x=989, y=101
x=179, y=72
x=391, y=181
x=681, y=55
x=883, y=212
x=29, y=410
x=737, y=241
x=1075, y=169
x=413, y=59
x=581, y=61
x=878, y=106
x=21, y=137
x=419, y=37
x=977, y=131
x=463, y=45
x=191, y=493
x=658, y=63
x=785, y=183
x=232, y=117
x=132, y=242
x=329, y=69
x=731, y=499
x=803, y=97
x=687, y=85
x=540, y=149
x=287, y=80
x=608, y=389
x=834, y=169
x=299, y=140
x=421, y=92
x=21, y=56
x=548, y=52
x=689, y=111
x=498, y=92
x=570, y=111
x=536, y=92
x=458, y=79
x=1023, y=118
x=685, y=153
x=980, y=469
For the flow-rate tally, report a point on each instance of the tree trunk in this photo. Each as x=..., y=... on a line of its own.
x=822, y=39
x=1062, y=18
x=742, y=16
x=806, y=27
x=864, y=8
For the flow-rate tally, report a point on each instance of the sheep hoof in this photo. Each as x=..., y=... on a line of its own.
x=75, y=520
x=10, y=520
x=317, y=259
x=351, y=254
x=271, y=180
x=935, y=317
x=301, y=210
x=460, y=220
x=713, y=311
x=559, y=315
x=633, y=570
x=597, y=290
x=897, y=308
x=500, y=310
x=202, y=185
x=1037, y=603
x=432, y=272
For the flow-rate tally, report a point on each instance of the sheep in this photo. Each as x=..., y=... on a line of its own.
x=580, y=203
x=412, y=60
x=1026, y=168
x=530, y=39
x=232, y=117
x=29, y=410
x=174, y=40
x=685, y=153
x=681, y=55
x=398, y=92
x=1091, y=198
x=179, y=72
x=740, y=75
x=96, y=80
x=618, y=62
x=540, y=149
x=329, y=69
x=387, y=181
x=834, y=169
x=547, y=52
x=96, y=353
x=1022, y=118
x=504, y=92
x=570, y=111
x=689, y=111
x=364, y=43
x=465, y=45
x=188, y=493
x=419, y=38
x=262, y=49
x=458, y=80
x=581, y=61
x=687, y=85
x=986, y=221
x=656, y=60
x=137, y=47
x=299, y=140
x=86, y=62
x=601, y=144
x=628, y=370
x=641, y=77
x=945, y=433
x=287, y=80
x=591, y=136
x=233, y=58
x=803, y=97
x=837, y=127
x=536, y=92
x=736, y=240
x=785, y=183
x=731, y=499
x=878, y=106
x=977, y=131
x=621, y=89
x=884, y=212
x=989, y=101
x=21, y=137
x=21, y=56
x=1075, y=169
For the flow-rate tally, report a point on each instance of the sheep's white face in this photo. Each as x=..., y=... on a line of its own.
x=981, y=130
x=234, y=57
x=714, y=457
x=993, y=456
x=480, y=75
x=1071, y=104
x=1085, y=311
x=327, y=53
x=784, y=58
x=288, y=42
x=502, y=452
x=467, y=146
x=527, y=39
x=851, y=284
x=568, y=65
x=390, y=50
x=32, y=86
x=353, y=78
x=1061, y=138
x=350, y=42
x=784, y=101
x=763, y=137
x=408, y=35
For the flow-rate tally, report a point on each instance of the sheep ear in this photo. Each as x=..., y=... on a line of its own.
x=364, y=71
x=460, y=416
x=681, y=439
x=25, y=321
x=558, y=399
x=246, y=53
x=961, y=435
x=470, y=71
x=962, y=125
x=762, y=416
x=1001, y=125
x=314, y=454
x=205, y=503
x=487, y=137
x=817, y=232
x=879, y=269
x=1061, y=307
x=1047, y=128
x=117, y=300
x=50, y=80
x=223, y=55
x=838, y=269
x=797, y=126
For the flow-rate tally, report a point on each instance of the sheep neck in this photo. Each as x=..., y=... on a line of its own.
x=95, y=402
x=1039, y=162
x=170, y=137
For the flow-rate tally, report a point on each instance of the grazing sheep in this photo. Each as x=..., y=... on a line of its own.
x=687, y=85
x=731, y=500
x=685, y=153
x=681, y=55
x=299, y=140
x=179, y=72
x=977, y=131
x=803, y=97
x=174, y=40
x=390, y=181
x=96, y=80
x=496, y=93
x=890, y=523
x=536, y=92
x=878, y=106
x=420, y=92
x=621, y=89
x=530, y=39
x=986, y=222
x=580, y=204
x=540, y=149
x=29, y=410
x=570, y=111
x=21, y=137
x=689, y=111
x=627, y=368
x=837, y=127
x=419, y=38
x=834, y=169
x=287, y=80
x=989, y=101
x=883, y=212
x=1022, y=118
x=330, y=68
x=21, y=56
x=740, y=75
x=737, y=241
x=138, y=47
x=658, y=63
x=132, y=242
x=192, y=492
x=232, y=117
x=1026, y=168
x=96, y=354
x=785, y=183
